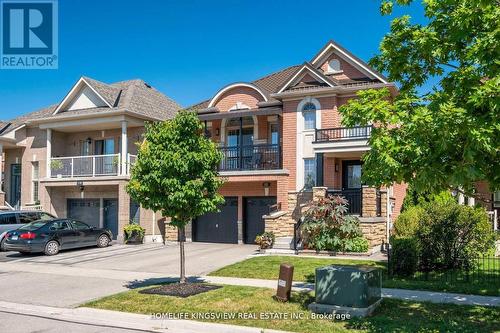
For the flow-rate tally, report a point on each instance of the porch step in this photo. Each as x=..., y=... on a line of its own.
x=283, y=243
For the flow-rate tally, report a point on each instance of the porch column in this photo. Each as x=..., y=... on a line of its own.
x=1, y=169
x=49, y=151
x=124, y=147
x=319, y=169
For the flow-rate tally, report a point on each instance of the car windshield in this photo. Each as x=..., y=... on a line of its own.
x=33, y=225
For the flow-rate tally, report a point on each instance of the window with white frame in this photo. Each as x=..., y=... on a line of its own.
x=309, y=172
x=35, y=181
x=496, y=199
x=309, y=113
x=334, y=66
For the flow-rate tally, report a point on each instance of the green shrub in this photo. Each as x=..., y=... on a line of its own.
x=452, y=235
x=358, y=244
x=265, y=240
x=133, y=231
x=404, y=257
x=407, y=222
x=327, y=227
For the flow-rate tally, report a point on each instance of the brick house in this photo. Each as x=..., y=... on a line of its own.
x=73, y=159
x=283, y=144
x=281, y=137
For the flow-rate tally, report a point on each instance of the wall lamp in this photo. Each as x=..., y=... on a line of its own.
x=267, y=186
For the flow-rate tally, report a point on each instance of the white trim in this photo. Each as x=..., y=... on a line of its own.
x=367, y=69
x=287, y=84
x=234, y=85
x=75, y=88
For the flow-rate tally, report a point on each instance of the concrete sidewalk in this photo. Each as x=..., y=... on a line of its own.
x=404, y=294
x=105, y=319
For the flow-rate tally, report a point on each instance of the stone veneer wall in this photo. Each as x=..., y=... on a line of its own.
x=374, y=230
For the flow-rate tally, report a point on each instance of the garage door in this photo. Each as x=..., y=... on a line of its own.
x=219, y=227
x=85, y=210
x=253, y=209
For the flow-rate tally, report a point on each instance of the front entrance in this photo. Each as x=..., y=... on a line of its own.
x=218, y=227
x=351, y=185
x=253, y=210
x=85, y=210
x=110, y=216
x=15, y=185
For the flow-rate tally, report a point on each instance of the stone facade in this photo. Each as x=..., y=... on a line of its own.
x=374, y=230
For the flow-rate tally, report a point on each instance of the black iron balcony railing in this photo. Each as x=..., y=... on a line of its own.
x=353, y=197
x=339, y=133
x=251, y=157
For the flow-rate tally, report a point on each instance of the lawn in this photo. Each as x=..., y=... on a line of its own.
x=391, y=316
x=267, y=267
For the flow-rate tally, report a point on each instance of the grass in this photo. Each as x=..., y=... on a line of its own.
x=391, y=316
x=267, y=267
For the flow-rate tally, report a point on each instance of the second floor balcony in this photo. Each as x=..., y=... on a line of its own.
x=90, y=166
x=342, y=139
x=251, y=157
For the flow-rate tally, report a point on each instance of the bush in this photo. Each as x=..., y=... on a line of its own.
x=327, y=227
x=133, y=232
x=404, y=257
x=406, y=224
x=358, y=244
x=452, y=235
x=265, y=240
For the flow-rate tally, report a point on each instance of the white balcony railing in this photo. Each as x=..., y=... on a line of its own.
x=85, y=166
x=130, y=161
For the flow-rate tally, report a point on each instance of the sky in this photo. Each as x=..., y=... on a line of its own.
x=190, y=49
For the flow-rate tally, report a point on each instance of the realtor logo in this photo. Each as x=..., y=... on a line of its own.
x=29, y=34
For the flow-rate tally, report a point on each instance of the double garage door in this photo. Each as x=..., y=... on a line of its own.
x=222, y=227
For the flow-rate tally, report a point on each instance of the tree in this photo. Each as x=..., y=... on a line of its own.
x=176, y=173
x=447, y=136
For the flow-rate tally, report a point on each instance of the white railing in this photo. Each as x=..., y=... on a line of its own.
x=31, y=207
x=85, y=166
x=130, y=162
x=493, y=219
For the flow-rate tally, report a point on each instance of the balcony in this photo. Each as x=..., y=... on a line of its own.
x=89, y=166
x=342, y=139
x=251, y=157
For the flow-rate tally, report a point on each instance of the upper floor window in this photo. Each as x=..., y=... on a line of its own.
x=309, y=112
x=334, y=66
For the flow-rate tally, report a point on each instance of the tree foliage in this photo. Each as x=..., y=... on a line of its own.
x=448, y=136
x=176, y=170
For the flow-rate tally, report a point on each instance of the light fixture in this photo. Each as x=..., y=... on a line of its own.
x=217, y=132
x=79, y=183
x=336, y=168
x=267, y=186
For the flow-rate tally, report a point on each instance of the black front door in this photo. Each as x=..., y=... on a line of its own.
x=111, y=216
x=85, y=210
x=218, y=227
x=15, y=185
x=253, y=210
x=351, y=185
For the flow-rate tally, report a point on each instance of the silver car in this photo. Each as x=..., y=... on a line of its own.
x=13, y=219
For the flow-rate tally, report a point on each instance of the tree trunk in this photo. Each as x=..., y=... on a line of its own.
x=182, y=238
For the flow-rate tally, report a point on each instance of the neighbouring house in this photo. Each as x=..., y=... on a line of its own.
x=73, y=159
x=283, y=144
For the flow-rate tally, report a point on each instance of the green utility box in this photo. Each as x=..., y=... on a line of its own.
x=353, y=289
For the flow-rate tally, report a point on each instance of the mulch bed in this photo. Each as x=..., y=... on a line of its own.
x=180, y=289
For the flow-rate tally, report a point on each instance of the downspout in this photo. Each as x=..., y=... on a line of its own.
x=153, y=237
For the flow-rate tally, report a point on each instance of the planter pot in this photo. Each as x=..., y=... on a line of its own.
x=135, y=238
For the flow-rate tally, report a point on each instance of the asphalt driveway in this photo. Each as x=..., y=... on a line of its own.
x=77, y=276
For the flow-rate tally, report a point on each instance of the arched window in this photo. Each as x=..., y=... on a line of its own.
x=309, y=113
x=334, y=66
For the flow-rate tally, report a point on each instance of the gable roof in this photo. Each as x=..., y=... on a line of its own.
x=350, y=57
x=308, y=68
x=134, y=96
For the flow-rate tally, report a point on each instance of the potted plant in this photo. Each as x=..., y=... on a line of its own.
x=134, y=234
x=265, y=240
x=56, y=165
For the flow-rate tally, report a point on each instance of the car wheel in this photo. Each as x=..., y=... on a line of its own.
x=51, y=248
x=103, y=241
